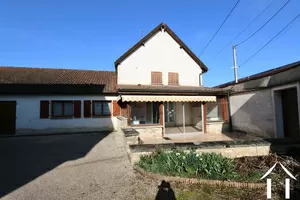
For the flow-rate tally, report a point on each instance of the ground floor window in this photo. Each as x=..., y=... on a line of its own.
x=62, y=108
x=169, y=112
x=144, y=113
x=215, y=110
x=101, y=108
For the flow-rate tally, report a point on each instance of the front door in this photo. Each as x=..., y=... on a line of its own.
x=169, y=113
x=7, y=117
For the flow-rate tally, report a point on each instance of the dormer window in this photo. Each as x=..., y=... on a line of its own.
x=173, y=78
x=156, y=78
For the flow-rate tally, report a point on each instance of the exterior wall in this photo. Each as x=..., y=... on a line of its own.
x=217, y=127
x=28, y=116
x=253, y=113
x=163, y=54
x=146, y=132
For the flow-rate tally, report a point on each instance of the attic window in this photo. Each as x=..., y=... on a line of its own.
x=156, y=78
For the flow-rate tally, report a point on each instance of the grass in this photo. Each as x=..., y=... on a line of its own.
x=195, y=192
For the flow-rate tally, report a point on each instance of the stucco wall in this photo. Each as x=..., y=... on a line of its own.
x=161, y=53
x=253, y=113
x=28, y=116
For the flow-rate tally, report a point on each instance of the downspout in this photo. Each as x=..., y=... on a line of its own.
x=200, y=79
x=229, y=113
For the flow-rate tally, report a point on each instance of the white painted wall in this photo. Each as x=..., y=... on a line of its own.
x=28, y=116
x=163, y=54
x=253, y=113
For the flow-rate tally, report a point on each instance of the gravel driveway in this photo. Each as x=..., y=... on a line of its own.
x=77, y=166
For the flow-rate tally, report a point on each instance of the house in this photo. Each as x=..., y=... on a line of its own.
x=267, y=104
x=159, y=81
x=156, y=90
x=35, y=100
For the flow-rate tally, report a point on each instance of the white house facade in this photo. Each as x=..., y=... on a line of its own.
x=156, y=89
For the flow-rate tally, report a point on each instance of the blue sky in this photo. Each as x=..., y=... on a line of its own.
x=92, y=34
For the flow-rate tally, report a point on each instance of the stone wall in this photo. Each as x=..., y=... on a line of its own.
x=217, y=127
x=234, y=152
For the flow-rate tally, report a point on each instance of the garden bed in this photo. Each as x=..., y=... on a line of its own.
x=212, y=166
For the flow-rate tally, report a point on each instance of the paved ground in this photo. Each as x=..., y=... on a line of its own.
x=89, y=166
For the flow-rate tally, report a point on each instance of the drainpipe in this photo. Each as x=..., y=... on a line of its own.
x=229, y=113
x=200, y=79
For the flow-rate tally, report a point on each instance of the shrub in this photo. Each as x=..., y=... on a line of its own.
x=189, y=163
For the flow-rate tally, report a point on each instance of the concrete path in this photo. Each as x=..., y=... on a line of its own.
x=77, y=166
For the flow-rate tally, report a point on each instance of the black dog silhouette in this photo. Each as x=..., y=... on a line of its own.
x=165, y=192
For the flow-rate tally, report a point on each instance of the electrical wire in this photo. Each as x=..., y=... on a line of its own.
x=246, y=27
x=219, y=27
x=278, y=34
x=263, y=24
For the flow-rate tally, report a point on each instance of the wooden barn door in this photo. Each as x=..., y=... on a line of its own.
x=7, y=117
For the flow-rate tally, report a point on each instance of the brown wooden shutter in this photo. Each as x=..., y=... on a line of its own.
x=87, y=109
x=224, y=108
x=124, y=110
x=116, y=108
x=173, y=78
x=161, y=113
x=156, y=78
x=170, y=78
x=44, y=109
x=77, y=109
x=204, y=116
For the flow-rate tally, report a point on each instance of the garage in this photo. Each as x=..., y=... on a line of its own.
x=7, y=117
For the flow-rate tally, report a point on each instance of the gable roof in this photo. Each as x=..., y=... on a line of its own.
x=16, y=76
x=173, y=35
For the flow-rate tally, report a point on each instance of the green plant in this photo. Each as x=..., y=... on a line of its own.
x=189, y=163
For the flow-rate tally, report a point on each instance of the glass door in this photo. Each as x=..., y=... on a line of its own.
x=169, y=108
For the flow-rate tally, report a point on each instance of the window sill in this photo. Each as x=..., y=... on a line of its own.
x=101, y=116
x=156, y=84
x=65, y=117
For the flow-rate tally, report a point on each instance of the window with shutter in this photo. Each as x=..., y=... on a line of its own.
x=44, y=109
x=101, y=108
x=62, y=109
x=173, y=78
x=156, y=78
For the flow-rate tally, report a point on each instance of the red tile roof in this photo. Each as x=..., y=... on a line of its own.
x=46, y=76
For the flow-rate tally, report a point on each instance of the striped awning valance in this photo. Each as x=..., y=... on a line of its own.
x=148, y=98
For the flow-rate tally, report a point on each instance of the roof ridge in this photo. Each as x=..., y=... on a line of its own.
x=173, y=35
x=47, y=68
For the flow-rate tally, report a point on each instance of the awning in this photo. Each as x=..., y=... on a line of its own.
x=143, y=98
